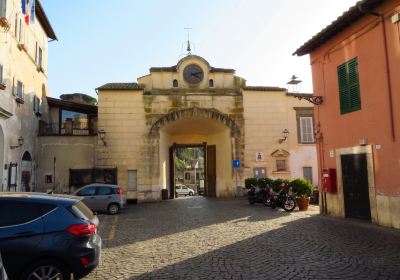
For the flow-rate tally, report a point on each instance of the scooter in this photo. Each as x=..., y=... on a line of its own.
x=283, y=198
x=257, y=194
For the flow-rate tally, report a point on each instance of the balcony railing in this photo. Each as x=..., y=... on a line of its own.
x=81, y=128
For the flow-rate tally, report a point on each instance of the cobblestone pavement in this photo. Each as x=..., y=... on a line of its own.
x=204, y=238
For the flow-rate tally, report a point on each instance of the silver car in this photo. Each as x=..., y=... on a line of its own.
x=183, y=190
x=102, y=197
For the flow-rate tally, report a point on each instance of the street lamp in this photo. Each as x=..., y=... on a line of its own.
x=285, y=134
x=102, y=136
x=294, y=83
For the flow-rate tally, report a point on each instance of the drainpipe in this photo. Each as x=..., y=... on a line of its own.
x=388, y=81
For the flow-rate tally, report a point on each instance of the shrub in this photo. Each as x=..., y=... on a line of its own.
x=250, y=181
x=264, y=182
x=301, y=187
x=277, y=182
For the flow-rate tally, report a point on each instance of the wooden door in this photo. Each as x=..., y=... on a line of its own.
x=172, y=172
x=211, y=171
x=355, y=186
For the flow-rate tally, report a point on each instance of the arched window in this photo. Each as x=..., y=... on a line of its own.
x=175, y=83
x=211, y=83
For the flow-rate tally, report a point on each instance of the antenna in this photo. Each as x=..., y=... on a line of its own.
x=188, y=49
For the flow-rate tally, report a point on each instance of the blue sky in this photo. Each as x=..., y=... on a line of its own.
x=118, y=41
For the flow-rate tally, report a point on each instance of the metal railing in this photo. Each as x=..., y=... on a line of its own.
x=80, y=128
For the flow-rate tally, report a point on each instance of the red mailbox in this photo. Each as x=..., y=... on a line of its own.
x=329, y=180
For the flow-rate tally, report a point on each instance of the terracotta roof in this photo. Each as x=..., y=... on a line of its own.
x=41, y=15
x=71, y=105
x=120, y=86
x=263, y=88
x=341, y=23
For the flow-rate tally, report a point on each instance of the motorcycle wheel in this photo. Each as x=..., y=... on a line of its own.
x=268, y=202
x=273, y=204
x=252, y=200
x=289, y=204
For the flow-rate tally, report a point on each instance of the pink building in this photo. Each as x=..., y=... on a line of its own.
x=356, y=69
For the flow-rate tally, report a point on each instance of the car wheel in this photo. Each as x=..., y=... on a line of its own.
x=113, y=208
x=190, y=193
x=47, y=269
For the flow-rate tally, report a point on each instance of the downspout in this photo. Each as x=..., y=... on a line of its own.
x=388, y=81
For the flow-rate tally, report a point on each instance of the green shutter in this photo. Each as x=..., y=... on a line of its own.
x=349, y=87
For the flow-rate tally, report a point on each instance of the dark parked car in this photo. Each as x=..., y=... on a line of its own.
x=47, y=236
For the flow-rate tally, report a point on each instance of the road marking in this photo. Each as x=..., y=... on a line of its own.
x=112, y=231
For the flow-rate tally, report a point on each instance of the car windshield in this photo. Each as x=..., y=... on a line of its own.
x=82, y=211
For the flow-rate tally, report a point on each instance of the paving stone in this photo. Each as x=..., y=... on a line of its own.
x=206, y=238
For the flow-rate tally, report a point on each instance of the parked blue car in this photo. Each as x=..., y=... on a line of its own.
x=47, y=236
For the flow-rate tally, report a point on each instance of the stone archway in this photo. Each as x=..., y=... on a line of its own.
x=184, y=122
x=26, y=172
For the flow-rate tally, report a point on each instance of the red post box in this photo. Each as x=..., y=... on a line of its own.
x=329, y=180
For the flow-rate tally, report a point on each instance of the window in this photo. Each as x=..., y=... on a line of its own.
x=89, y=191
x=16, y=213
x=211, y=83
x=349, y=87
x=40, y=58
x=3, y=5
x=307, y=173
x=280, y=165
x=20, y=90
x=49, y=179
x=306, y=130
x=73, y=122
x=175, y=83
x=36, y=105
x=1, y=74
x=105, y=191
x=260, y=172
x=132, y=180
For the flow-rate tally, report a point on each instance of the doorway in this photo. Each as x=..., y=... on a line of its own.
x=355, y=186
x=192, y=170
x=26, y=172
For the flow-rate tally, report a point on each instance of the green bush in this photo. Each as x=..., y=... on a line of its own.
x=301, y=187
x=264, y=182
x=250, y=181
x=277, y=182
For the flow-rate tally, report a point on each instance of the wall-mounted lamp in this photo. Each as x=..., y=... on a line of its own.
x=20, y=143
x=285, y=134
x=102, y=136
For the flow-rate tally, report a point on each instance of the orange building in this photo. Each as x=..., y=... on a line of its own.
x=356, y=69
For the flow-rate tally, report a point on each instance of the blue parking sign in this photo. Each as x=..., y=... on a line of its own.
x=236, y=163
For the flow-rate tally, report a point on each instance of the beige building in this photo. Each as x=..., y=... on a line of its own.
x=195, y=104
x=23, y=78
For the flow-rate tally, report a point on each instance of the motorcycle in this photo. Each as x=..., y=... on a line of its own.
x=283, y=198
x=257, y=194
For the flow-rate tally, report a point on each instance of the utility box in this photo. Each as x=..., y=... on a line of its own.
x=329, y=180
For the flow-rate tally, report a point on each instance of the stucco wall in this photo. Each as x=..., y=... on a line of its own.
x=363, y=39
x=70, y=152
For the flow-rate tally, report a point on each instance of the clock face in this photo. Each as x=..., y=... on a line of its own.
x=193, y=74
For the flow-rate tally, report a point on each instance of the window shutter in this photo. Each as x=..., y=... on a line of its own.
x=1, y=72
x=349, y=87
x=306, y=130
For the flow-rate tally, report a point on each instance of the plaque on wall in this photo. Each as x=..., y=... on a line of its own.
x=259, y=156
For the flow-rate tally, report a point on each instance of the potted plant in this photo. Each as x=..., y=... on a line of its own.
x=303, y=190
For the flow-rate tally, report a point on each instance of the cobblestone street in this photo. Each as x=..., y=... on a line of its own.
x=205, y=238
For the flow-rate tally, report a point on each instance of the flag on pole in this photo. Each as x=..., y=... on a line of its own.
x=33, y=10
x=23, y=6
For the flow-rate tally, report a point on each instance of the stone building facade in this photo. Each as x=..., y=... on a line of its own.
x=193, y=103
x=23, y=85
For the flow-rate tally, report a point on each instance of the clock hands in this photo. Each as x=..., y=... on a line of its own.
x=196, y=74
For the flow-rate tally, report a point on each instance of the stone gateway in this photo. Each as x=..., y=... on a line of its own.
x=193, y=103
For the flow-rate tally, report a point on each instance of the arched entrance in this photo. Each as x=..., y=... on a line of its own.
x=3, y=187
x=197, y=127
x=26, y=172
